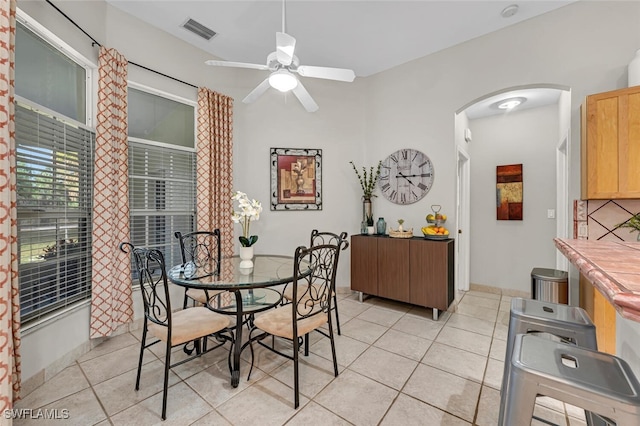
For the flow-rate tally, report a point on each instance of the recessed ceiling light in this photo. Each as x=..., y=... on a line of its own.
x=509, y=11
x=509, y=103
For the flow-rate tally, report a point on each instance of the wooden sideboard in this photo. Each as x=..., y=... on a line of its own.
x=413, y=270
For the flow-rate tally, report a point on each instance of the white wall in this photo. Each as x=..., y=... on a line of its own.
x=503, y=252
x=585, y=45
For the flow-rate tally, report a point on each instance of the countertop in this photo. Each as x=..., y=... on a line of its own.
x=613, y=267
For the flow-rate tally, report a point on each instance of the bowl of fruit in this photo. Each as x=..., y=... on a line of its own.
x=433, y=232
x=436, y=230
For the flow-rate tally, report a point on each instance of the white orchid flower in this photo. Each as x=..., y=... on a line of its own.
x=249, y=210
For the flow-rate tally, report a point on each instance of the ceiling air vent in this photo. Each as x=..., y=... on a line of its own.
x=198, y=29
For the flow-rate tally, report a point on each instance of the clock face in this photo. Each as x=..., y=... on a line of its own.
x=406, y=176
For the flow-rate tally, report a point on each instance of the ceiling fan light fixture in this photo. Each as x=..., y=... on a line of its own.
x=283, y=80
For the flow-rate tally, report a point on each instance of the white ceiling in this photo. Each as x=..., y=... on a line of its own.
x=366, y=36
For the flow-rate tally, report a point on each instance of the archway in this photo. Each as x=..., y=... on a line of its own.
x=534, y=96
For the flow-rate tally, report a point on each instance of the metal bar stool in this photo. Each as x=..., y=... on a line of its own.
x=569, y=323
x=592, y=380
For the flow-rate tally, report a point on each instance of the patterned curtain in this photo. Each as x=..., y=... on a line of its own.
x=9, y=289
x=111, y=299
x=214, y=165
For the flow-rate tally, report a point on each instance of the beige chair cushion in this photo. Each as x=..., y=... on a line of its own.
x=279, y=322
x=199, y=295
x=190, y=324
x=302, y=289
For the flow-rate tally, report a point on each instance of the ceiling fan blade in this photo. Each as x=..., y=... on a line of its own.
x=236, y=65
x=339, y=74
x=285, y=46
x=305, y=98
x=259, y=90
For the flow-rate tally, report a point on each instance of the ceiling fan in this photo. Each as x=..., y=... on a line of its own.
x=283, y=64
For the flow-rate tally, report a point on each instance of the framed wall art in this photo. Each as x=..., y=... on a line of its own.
x=296, y=179
x=509, y=192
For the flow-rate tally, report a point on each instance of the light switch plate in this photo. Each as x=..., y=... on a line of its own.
x=551, y=214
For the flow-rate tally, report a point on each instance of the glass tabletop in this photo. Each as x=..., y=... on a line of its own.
x=267, y=271
x=253, y=300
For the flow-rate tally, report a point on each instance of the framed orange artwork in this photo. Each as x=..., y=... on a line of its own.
x=296, y=179
x=509, y=192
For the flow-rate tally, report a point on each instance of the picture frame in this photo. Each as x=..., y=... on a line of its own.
x=296, y=179
x=509, y=192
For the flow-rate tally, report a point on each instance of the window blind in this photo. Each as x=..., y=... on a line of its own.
x=161, y=196
x=54, y=195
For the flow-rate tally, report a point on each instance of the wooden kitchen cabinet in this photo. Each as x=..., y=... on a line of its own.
x=413, y=270
x=610, y=148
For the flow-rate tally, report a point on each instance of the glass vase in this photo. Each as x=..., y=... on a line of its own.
x=367, y=212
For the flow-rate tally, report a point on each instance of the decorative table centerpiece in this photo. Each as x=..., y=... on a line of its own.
x=401, y=232
x=249, y=210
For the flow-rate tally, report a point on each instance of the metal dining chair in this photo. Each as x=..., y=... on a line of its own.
x=309, y=310
x=192, y=324
x=203, y=249
x=320, y=238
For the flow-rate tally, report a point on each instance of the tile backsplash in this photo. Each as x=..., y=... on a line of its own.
x=598, y=219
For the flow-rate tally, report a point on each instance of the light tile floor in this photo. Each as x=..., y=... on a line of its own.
x=397, y=367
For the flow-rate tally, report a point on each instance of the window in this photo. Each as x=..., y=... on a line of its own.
x=161, y=171
x=54, y=169
x=54, y=177
x=49, y=77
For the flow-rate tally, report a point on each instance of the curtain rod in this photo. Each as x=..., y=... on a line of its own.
x=96, y=43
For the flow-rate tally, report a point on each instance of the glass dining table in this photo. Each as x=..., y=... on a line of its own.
x=249, y=289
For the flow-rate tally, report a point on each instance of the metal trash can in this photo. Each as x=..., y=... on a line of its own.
x=550, y=285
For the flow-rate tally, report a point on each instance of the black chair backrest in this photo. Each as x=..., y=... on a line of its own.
x=202, y=248
x=315, y=295
x=319, y=238
x=154, y=286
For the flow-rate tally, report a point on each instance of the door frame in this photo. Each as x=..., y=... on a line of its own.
x=562, y=197
x=463, y=210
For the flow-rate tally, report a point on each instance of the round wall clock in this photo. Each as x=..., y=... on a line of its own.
x=406, y=176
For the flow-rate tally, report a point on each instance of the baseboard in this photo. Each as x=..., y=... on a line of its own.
x=498, y=290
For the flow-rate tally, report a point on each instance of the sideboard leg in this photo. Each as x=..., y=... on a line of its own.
x=360, y=296
x=435, y=314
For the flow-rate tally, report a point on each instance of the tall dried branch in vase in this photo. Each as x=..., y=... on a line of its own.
x=367, y=180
